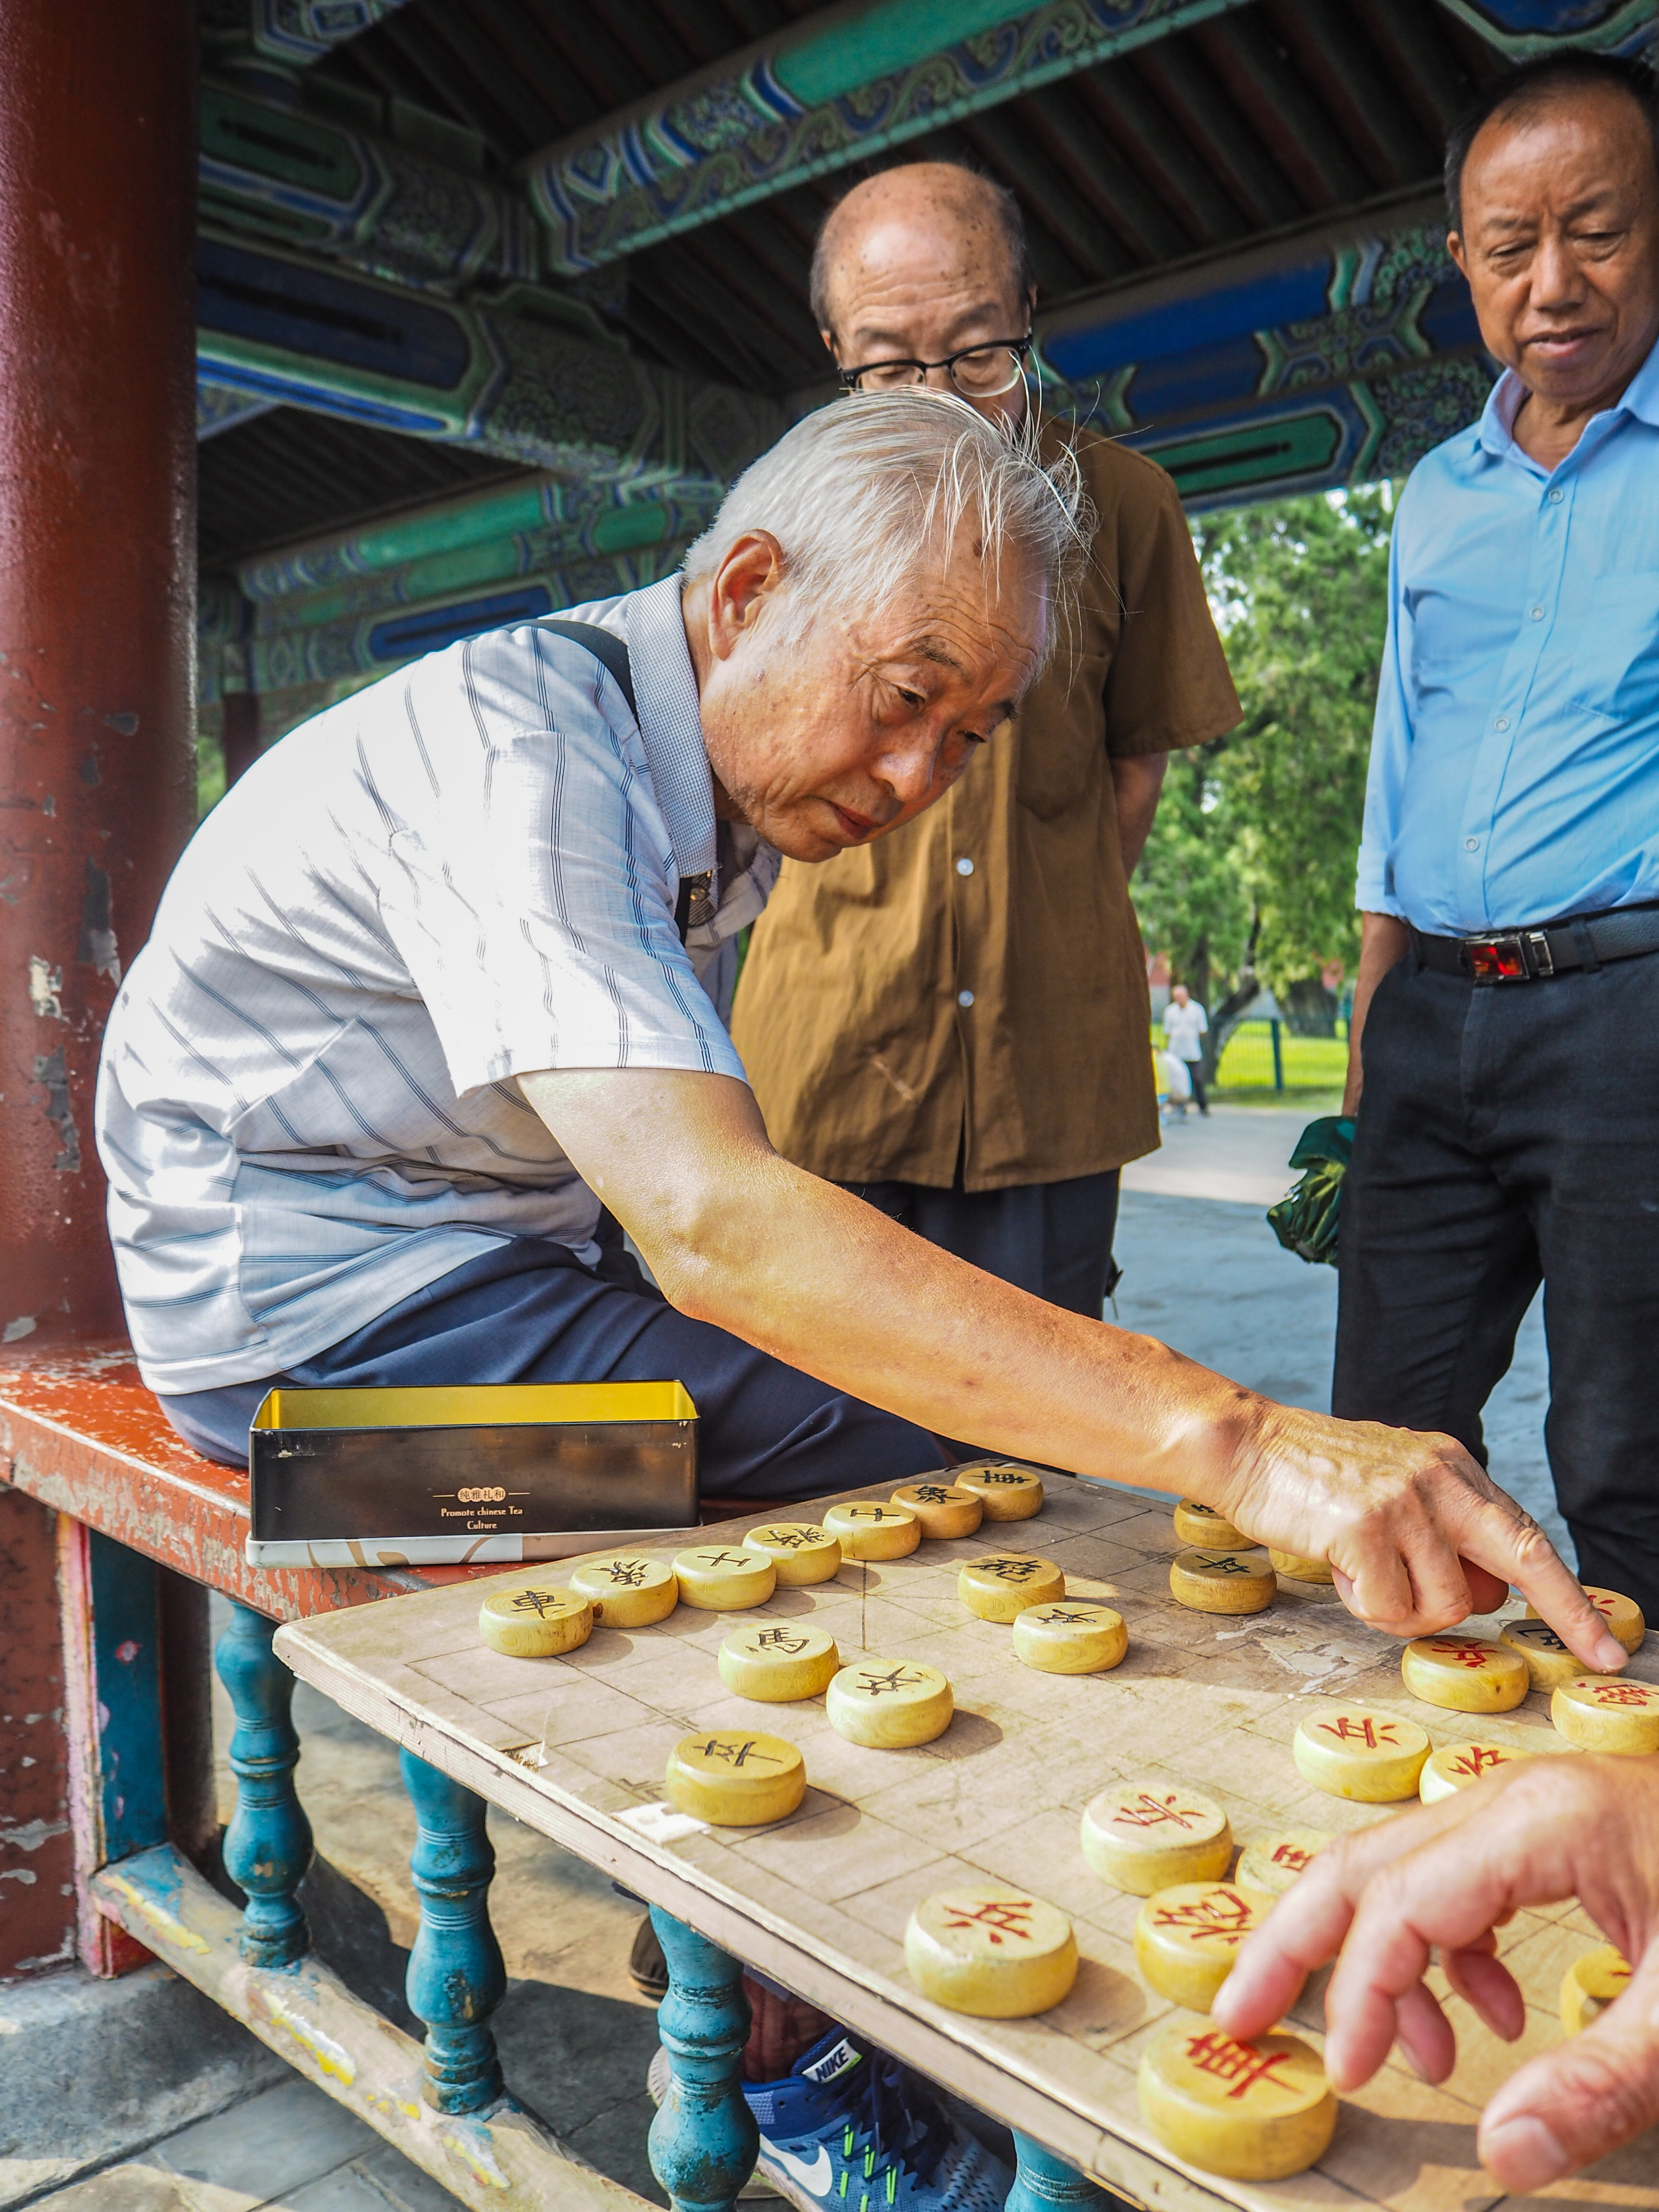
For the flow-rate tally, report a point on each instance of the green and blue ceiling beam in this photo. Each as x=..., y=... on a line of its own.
x=1321, y=358
x=1333, y=356
x=852, y=79
x=291, y=35
x=273, y=326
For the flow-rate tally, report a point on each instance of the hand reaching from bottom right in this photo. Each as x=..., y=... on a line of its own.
x=1447, y=1878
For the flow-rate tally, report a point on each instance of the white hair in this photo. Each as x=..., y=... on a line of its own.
x=865, y=492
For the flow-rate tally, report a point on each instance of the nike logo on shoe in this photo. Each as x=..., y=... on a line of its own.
x=815, y=2179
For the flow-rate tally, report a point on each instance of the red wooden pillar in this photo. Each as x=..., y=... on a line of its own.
x=37, y=1919
x=97, y=586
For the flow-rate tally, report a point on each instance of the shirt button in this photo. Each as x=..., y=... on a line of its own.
x=1538, y=614
x=964, y=998
x=1502, y=723
x=965, y=866
x=1557, y=496
x=1471, y=844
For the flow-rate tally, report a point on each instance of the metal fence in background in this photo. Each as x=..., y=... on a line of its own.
x=1264, y=1055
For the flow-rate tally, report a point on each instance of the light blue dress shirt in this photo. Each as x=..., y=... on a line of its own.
x=1515, y=760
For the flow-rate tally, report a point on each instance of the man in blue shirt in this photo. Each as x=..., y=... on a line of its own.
x=1509, y=986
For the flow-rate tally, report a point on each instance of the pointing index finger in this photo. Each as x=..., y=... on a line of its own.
x=1515, y=1547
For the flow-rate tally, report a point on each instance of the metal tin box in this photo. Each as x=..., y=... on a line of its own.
x=476, y=1473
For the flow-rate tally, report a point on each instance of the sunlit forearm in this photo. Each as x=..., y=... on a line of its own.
x=739, y=1237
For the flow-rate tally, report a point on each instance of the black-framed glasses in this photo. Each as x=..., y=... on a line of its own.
x=979, y=372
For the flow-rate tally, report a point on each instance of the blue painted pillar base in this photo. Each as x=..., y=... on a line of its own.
x=268, y=1844
x=456, y=1976
x=1044, y=2181
x=703, y=2140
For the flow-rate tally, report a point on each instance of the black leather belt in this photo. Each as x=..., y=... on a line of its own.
x=1529, y=955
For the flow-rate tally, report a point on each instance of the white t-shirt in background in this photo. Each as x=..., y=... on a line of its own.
x=1183, y=1026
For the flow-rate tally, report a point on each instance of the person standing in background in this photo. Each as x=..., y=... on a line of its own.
x=954, y=1025
x=1185, y=1025
x=1503, y=1054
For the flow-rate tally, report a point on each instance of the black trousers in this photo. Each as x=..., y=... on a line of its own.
x=1053, y=1239
x=1509, y=1134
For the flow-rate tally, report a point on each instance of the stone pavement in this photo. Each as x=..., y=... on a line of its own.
x=1203, y=1272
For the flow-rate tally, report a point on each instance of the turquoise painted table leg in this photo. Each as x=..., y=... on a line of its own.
x=268, y=1844
x=703, y=2140
x=456, y=1977
x=1044, y=2181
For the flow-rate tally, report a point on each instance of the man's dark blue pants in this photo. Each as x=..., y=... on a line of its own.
x=1509, y=1134
x=530, y=1312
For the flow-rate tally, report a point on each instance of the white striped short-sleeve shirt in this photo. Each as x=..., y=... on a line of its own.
x=306, y=1106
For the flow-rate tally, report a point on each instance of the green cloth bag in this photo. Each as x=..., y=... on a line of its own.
x=1305, y=1222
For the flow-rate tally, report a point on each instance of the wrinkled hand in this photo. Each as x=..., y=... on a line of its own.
x=1449, y=1876
x=1417, y=1534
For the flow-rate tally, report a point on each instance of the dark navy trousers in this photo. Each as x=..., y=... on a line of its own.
x=531, y=1312
x=1509, y=1134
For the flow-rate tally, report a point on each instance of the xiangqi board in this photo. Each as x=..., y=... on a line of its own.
x=577, y=1746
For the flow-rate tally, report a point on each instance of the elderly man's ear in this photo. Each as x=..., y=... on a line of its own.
x=752, y=569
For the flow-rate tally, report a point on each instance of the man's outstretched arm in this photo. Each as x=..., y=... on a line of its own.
x=738, y=1237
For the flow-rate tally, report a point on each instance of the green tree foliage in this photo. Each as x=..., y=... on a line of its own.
x=1251, y=867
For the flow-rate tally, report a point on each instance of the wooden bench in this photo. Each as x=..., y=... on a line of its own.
x=112, y=1532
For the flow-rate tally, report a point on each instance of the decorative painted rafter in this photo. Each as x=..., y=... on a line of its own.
x=1334, y=358
x=295, y=32
x=1521, y=28
x=483, y=538
x=296, y=651
x=273, y=326
x=830, y=88
x=270, y=168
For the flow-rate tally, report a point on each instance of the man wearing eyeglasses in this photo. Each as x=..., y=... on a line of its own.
x=954, y=1023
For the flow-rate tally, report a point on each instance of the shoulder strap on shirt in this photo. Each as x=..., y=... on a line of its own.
x=604, y=646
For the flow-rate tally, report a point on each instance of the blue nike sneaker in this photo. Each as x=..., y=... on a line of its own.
x=849, y=2129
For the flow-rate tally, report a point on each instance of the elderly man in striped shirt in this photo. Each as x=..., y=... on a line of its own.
x=426, y=997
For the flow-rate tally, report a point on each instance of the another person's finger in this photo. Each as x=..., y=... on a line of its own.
x=1482, y=1980
x=1424, y=2035
x=1581, y=2100
x=1318, y=1918
x=1306, y=1929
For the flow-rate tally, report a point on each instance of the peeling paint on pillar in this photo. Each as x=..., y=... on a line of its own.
x=96, y=948
x=97, y=448
x=51, y=1074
